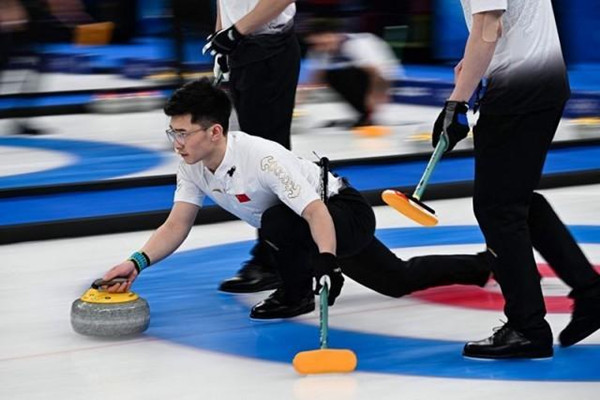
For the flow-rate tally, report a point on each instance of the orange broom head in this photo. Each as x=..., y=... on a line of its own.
x=371, y=130
x=409, y=207
x=96, y=34
x=325, y=361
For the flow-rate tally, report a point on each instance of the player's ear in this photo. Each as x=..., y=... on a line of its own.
x=216, y=132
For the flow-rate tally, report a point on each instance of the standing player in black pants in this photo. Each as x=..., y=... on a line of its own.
x=255, y=39
x=515, y=45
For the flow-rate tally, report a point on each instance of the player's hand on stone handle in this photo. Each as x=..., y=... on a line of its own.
x=124, y=270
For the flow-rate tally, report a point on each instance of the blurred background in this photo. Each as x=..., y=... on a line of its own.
x=83, y=81
x=148, y=41
x=83, y=152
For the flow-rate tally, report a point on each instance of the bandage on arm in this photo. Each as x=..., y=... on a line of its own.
x=492, y=26
x=477, y=58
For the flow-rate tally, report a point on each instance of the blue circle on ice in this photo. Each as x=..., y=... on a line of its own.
x=186, y=308
x=91, y=161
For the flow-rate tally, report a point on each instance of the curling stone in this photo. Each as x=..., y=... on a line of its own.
x=100, y=313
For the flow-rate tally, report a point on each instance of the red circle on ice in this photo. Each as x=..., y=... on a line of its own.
x=490, y=297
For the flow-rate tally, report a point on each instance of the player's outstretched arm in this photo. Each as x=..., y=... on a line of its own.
x=163, y=242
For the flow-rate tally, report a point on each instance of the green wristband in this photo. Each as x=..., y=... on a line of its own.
x=140, y=260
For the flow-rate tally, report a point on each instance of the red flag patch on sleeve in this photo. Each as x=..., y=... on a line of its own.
x=242, y=198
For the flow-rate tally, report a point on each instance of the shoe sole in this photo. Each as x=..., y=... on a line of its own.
x=286, y=316
x=486, y=357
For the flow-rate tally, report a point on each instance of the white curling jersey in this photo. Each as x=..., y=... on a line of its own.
x=255, y=175
x=527, y=71
x=232, y=11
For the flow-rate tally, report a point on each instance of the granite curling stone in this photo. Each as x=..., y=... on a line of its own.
x=100, y=313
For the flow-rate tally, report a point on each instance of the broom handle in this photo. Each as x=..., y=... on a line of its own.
x=435, y=157
x=218, y=79
x=324, y=294
x=324, y=315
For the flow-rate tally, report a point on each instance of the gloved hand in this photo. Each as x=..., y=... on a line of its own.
x=221, y=67
x=452, y=123
x=222, y=42
x=326, y=266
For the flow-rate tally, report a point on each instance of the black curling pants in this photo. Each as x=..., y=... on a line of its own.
x=510, y=151
x=361, y=255
x=264, y=93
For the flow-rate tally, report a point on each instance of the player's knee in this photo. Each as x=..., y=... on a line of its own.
x=538, y=201
x=404, y=284
x=272, y=221
x=499, y=216
x=397, y=287
x=279, y=224
x=399, y=291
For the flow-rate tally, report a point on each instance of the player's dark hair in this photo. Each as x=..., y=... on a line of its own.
x=206, y=103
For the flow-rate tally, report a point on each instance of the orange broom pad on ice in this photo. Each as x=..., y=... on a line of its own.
x=324, y=360
x=412, y=206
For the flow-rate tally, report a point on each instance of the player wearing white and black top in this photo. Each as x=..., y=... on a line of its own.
x=263, y=54
x=514, y=44
x=232, y=11
x=255, y=40
x=527, y=72
x=267, y=186
x=358, y=66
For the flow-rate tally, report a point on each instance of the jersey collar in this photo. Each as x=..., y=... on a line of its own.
x=227, y=166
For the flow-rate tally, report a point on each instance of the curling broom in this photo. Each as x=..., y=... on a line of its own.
x=324, y=360
x=412, y=206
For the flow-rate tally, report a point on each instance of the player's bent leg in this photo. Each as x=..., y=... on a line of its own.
x=289, y=236
x=257, y=274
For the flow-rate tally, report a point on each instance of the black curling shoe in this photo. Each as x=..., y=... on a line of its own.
x=584, y=321
x=508, y=343
x=277, y=306
x=251, y=278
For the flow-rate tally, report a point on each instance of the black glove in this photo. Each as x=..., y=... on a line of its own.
x=326, y=265
x=452, y=123
x=223, y=42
